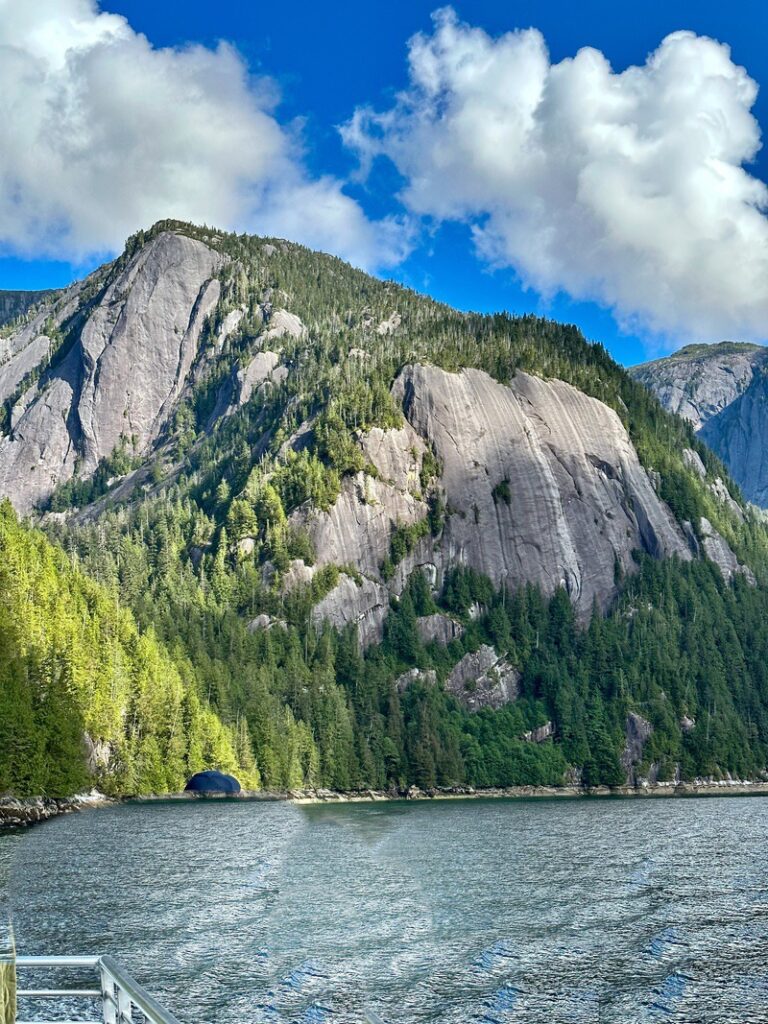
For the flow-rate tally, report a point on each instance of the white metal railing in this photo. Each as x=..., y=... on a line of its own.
x=118, y=993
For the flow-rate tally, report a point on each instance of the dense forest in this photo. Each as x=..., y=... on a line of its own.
x=73, y=663
x=144, y=603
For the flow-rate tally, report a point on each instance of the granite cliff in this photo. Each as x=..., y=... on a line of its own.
x=540, y=482
x=119, y=373
x=722, y=390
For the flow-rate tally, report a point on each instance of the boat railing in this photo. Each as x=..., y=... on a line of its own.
x=122, y=1000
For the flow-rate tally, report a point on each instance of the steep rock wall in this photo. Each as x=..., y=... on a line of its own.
x=122, y=376
x=723, y=391
x=541, y=482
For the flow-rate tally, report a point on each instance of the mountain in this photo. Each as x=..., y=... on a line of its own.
x=14, y=304
x=721, y=390
x=400, y=543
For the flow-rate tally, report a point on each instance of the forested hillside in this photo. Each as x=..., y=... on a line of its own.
x=81, y=688
x=287, y=479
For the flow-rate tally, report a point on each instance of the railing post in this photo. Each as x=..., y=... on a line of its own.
x=124, y=1006
x=120, y=994
x=7, y=977
x=108, y=996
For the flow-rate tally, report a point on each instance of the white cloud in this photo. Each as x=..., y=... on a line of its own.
x=626, y=188
x=102, y=134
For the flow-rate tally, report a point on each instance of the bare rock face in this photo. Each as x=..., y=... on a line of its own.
x=281, y=323
x=15, y=303
x=415, y=675
x=122, y=376
x=264, y=621
x=700, y=381
x=23, y=349
x=262, y=367
x=30, y=353
x=357, y=529
x=541, y=482
x=365, y=605
x=138, y=345
x=483, y=680
x=396, y=454
x=722, y=390
x=693, y=461
x=724, y=496
x=390, y=325
x=717, y=550
x=539, y=735
x=638, y=732
x=438, y=628
x=229, y=325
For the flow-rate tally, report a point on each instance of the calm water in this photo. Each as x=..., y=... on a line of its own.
x=488, y=911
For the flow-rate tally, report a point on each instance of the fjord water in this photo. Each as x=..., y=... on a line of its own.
x=455, y=911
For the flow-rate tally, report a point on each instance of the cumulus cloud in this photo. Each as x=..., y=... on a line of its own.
x=626, y=188
x=103, y=134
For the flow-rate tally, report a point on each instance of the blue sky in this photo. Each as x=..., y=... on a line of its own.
x=326, y=60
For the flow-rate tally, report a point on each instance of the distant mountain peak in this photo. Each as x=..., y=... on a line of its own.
x=721, y=390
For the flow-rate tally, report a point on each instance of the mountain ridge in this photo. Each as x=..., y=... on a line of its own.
x=330, y=493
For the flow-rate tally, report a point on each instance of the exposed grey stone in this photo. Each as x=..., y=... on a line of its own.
x=415, y=675
x=364, y=604
x=259, y=369
x=539, y=735
x=264, y=621
x=724, y=496
x=482, y=679
x=396, y=454
x=638, y=731
x=281, y=323
x=357, y=529
x=580, y=499
x=723, y=391
x=299, y=439
x=687, y=724
x=229, y=325
x=124, y=374
x=717, y=549
x=15, y=303
x=298, y=574
x=13, y=371
x=438, y=628
x=692, y=459
x=98, y=753
x=390, y=325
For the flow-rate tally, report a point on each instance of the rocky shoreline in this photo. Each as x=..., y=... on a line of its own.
x=696, y=788
x=699, y=787
x=16, y=812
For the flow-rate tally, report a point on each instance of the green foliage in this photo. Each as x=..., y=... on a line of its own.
x=78, y=491
x=502, y=492
x=405, y=537
x=303, y=477
x=430, y=468
x=75, y=670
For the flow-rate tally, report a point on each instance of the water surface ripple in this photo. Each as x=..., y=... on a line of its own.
x=453, y=912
